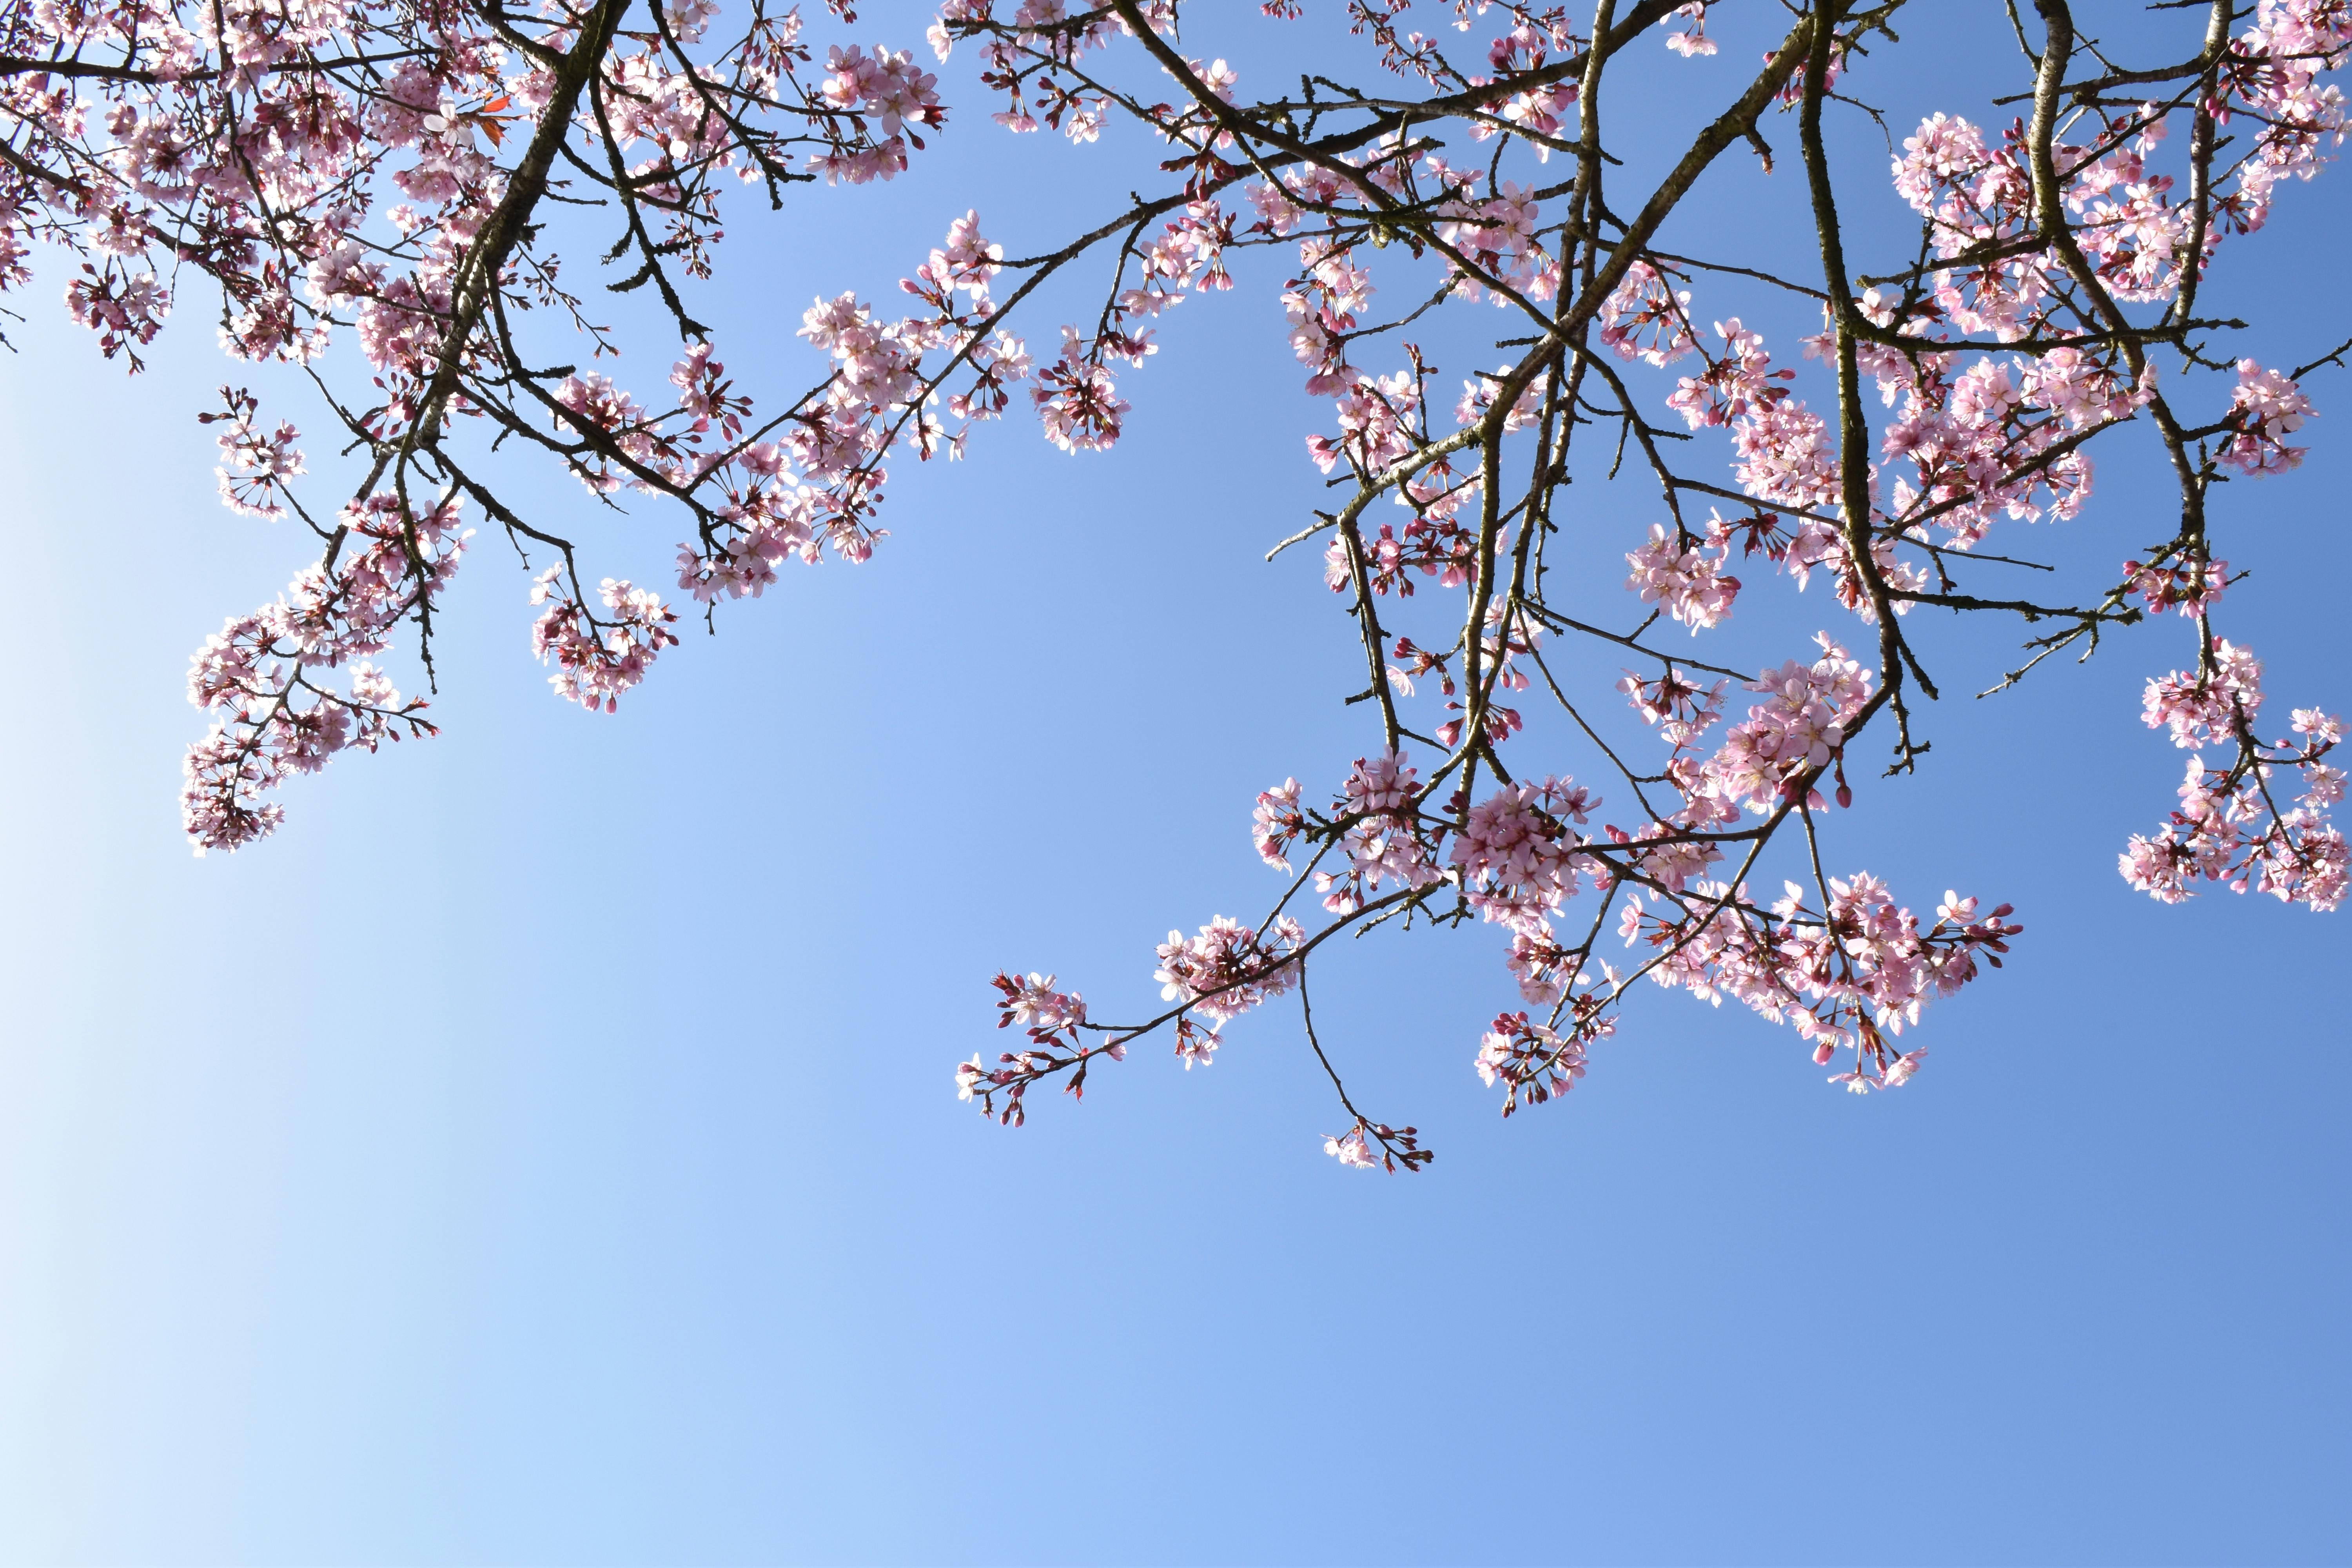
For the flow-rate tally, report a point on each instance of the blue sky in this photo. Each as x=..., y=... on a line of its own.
x=544, y=1149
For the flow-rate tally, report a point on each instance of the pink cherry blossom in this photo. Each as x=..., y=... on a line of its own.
x=393, y=210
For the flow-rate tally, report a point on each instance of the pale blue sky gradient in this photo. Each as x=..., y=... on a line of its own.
x=544, y=1149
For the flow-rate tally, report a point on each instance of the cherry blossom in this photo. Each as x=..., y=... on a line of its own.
x=2265, y=406
x=400, y=211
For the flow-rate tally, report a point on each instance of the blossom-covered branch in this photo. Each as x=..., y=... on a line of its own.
x=408, y=178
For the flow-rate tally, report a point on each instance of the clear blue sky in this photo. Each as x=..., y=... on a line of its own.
x=544, y=1149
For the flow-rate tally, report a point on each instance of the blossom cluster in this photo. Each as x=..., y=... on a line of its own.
x=265, y=674
x=1849, y=976
x=1052, y=1019
x=2231, y=826
x=597, y=659
x=1535, y=1059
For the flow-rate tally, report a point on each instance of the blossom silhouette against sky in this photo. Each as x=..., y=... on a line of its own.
x=539, y=1144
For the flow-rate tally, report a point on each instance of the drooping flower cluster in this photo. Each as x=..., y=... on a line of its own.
x=596, y=658
x=255, y=464
x=1533, y=1059
x=2234, y=824
x=1646, y=318
x=264, y=674
x=2214, y=706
